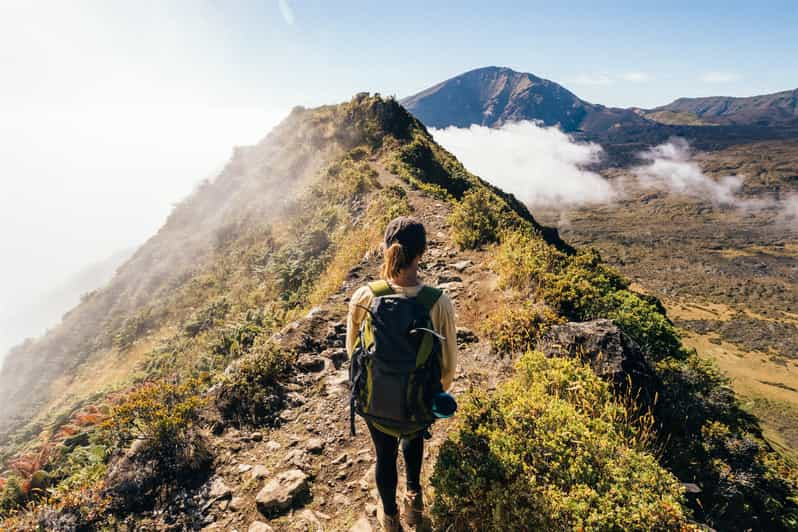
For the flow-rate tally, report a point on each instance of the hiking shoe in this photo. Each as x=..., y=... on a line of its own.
x=413, y=504
x=389, y=523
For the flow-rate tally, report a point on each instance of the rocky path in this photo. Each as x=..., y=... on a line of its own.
x=309, y=473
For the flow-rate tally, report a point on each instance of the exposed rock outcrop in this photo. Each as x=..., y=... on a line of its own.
x=612, y=354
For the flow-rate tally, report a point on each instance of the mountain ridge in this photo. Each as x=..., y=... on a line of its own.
x=778, y=108
x=235, y=372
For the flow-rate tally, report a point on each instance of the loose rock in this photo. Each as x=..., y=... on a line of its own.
x=259, y=526
x=362, y=525
x=219, y=490
x=315, y=445
x=281, y=492
x=462, y=265
x=258, y=472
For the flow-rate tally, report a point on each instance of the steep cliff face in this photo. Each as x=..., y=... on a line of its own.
x=492, y=96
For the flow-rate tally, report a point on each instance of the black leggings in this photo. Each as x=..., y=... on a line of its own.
x=386, y=447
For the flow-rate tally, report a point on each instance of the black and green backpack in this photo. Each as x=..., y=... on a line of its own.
x=396, y=362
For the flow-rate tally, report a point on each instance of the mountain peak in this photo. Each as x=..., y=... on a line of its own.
x=493, y=95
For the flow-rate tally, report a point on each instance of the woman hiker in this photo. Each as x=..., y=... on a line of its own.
x=405, y=243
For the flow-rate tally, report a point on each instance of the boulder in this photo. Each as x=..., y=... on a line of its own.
x=362, y=525
x=462, y=265
x=314, y=445
x=282, y=491
x=258, y=472
x=309, y=363
x=259, y=526
x=219, y=490
x=611, y=353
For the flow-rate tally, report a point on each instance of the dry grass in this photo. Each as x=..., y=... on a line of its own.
x=755, y=378
x=749, y=371
x=695, y=311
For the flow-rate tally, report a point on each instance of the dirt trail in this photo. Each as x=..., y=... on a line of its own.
x=314, y=435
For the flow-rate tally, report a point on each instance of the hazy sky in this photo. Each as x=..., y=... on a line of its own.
x=111, y=111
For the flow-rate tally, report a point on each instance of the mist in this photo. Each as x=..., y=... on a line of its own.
x=111, y=115
x=80, y=185
x=670, y=167
x=542, y=166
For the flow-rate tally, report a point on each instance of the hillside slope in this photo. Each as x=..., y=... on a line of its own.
x=492, y=96
x=254, y=189
x=233, y=408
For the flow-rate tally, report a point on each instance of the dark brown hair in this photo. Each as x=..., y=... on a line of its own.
x=405, y=239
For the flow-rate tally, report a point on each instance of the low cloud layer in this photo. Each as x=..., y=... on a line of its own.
x=670, y=167
x=544, y=167
x=540, y=165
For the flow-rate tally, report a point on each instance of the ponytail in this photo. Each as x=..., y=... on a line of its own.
x=394, y=261
x=405, y=239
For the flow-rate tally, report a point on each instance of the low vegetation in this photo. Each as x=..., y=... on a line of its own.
x=164, y=419
x=698, y=419
x=249, y=392
x=516, y=327
x=551, y=450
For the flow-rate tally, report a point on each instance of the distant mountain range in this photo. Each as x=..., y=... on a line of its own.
x=776, y=109
x=492, y=96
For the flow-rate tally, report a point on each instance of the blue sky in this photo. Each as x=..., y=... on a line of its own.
x=255, y=53
x=112, y=111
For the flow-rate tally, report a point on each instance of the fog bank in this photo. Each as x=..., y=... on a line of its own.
x=540, y=165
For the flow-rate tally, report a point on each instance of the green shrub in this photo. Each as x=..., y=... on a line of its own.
x=580, y=287
x=166, y=417
x=691, y=400
x=514, y=328
x=745, y=485
x=476, y=220
x=231, y=342
x=523, y=259
x=550, y=450
x=249, y=393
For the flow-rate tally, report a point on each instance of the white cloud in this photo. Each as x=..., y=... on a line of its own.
x=670, y=167
x=593, y=79
x=286, y=11
x=637, y=77
x=719, y=77
x=789, y=211
x=540, y=165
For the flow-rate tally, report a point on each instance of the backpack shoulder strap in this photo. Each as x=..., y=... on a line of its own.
x=428, y=296
x=380, y=288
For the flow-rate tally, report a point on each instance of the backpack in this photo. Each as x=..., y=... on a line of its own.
x=395, y=369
